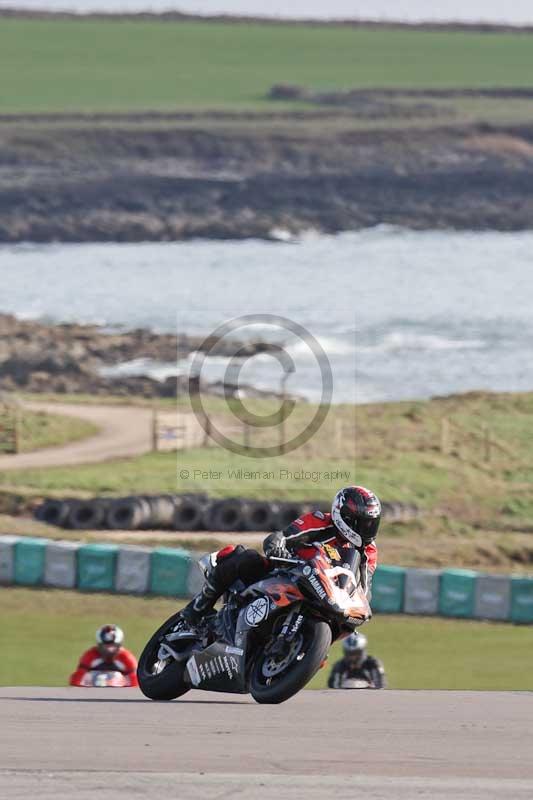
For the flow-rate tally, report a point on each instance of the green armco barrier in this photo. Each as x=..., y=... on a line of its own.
x=97, y=567
x=174, y=572
x=457, y=593
x=170, y=570
x=387, y=590
x=522, y=599
x=29, y=561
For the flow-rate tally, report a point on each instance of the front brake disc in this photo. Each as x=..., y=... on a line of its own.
x=275, y=664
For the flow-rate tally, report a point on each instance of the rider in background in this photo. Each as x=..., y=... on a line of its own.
x=357, y=665
x=107, y=656
x=353, y=523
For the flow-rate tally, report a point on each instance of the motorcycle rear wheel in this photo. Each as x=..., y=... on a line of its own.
x=277, y=689
x=170, y=682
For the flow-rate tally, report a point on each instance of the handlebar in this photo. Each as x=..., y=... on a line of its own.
x=287, y=560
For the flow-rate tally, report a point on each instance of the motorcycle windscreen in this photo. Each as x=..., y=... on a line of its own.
x=348, y=557
x=218, y=668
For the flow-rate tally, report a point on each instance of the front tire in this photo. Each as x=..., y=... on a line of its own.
x=169, y=683
x=313, y=651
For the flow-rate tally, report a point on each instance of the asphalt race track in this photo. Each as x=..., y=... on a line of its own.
x=61, y=744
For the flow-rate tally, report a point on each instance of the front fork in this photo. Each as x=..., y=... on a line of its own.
x=289, y=630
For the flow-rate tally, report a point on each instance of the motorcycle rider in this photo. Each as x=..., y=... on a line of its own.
x=357, y=665
x=353, y=521
x=108, y=655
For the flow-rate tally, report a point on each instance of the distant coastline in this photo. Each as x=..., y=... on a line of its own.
x=110, y=186
x=231, y=19
x=92, y=152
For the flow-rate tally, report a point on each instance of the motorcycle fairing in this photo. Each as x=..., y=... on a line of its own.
x=281, y=591
x=222, y=667
x=218, y=668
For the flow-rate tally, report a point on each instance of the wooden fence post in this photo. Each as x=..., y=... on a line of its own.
x=154, y=429
x=246, y=435
x=207, y=430
x=445, y=436
x=16, y=430
x=487, y=442
x=338, y=435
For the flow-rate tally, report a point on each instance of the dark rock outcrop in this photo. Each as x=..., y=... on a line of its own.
x=94, y=182
x=67, y=359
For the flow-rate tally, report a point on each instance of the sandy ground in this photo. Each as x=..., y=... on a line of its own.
x=64, y=743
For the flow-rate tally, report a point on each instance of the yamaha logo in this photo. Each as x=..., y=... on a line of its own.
x=256, y=612
x=317, y=586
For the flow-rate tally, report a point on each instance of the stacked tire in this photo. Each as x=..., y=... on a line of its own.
x=188, y=512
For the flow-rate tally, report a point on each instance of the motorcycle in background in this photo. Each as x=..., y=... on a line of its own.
x=356, y=683
x=102, y=679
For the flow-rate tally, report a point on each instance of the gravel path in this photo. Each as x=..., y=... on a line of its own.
x=124, y=431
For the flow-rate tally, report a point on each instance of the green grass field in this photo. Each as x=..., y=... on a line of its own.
x=394, y=447
x=88, y=65
x=38, y=430
x=43, y=632
x=210, y=470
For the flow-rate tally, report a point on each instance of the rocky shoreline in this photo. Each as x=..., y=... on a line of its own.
x=67, y=359
x=234, y=179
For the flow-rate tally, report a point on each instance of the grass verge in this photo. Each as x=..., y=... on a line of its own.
x=39, y=430
x=43, y=632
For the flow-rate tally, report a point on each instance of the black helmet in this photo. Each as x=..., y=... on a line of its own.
x=356, y=513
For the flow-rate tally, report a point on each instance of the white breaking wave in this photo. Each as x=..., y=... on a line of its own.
x=331, y=346
x=399, y=341
x=158, y=370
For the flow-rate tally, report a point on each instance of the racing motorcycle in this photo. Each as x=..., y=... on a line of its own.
x=356, y=683
x=269, y=639
x=103, y=679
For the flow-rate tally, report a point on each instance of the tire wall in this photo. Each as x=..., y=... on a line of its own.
x=188, y=512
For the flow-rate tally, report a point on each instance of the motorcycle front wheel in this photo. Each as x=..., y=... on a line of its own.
x=161, y=680
x=276, y=678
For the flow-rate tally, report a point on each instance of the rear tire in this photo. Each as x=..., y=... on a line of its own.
x=170, y=682
x=317, y=641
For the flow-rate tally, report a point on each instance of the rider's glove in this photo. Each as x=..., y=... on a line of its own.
x=275, y=546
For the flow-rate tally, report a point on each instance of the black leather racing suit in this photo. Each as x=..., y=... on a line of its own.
x=370, y=670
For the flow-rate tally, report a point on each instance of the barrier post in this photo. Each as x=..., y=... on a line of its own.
x=154, y=429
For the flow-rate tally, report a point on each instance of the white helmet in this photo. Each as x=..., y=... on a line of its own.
x=354, y=643
x=110, y=636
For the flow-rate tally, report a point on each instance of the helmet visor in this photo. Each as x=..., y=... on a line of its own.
x=108, y=650
x=367, y=528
